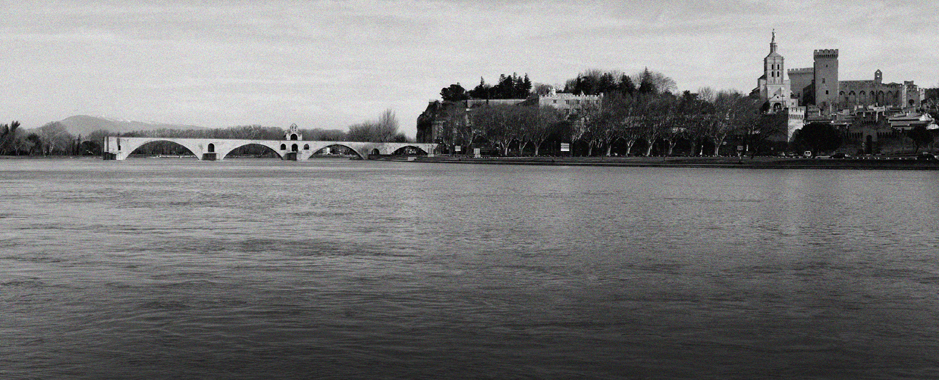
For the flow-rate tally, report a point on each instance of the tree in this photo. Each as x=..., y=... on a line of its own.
x=481, y=91
x=595, y=82
x=388, y=127
x=32, y=144
x=523, y=88
x=55, y=138
x=763, y=128
x=628, y=110
x=365, y=131
x=8, y=136
x=318, y=134
x=589, y=126
x=542, y=127
x=818, y=137
x=542, y=89
x=920, y=136
x=494, y=121
x=454, y=93
x=611, y=124
x=706, y=94
x=659, y=113
x=385, y=129
x=652, y=82
x=732, y=110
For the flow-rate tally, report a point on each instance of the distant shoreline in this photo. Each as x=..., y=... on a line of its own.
x=872, y=163
x=892, y=163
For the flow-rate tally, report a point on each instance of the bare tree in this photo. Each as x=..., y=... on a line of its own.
x=387, y=126
x=385, y=129
x=657, y=119
x=732, y=110
x=706, y=94
x=545, y=120
x=495, y=122
x=55, y=138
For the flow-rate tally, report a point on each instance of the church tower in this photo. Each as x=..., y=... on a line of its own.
x=773, y=85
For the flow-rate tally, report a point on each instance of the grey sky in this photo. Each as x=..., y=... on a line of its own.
x=329, y=64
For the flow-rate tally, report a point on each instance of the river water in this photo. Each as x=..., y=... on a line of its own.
x=172, y=268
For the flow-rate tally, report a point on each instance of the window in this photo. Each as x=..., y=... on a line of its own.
x=823, y=80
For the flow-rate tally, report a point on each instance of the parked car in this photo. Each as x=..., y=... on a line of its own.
x=840, y=155
x=926, y=156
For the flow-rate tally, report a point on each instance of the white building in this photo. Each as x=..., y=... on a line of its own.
x=570, y=103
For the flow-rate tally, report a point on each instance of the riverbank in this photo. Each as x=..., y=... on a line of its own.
x=884, y=163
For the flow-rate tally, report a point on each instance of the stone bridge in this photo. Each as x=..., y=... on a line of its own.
x=119, y=148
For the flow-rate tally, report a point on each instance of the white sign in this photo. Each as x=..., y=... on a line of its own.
x=565, y=147
x=477, y=153
x=457, y=148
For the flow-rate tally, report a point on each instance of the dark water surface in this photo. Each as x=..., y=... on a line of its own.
x=164, y=268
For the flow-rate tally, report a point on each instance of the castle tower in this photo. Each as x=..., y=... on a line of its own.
x=773, y=85
x=826, y=79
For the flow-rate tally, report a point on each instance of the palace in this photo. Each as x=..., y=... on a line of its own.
x=867, y=110
x=820, y=88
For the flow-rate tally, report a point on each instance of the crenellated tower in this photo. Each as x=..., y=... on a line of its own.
x=826, y=79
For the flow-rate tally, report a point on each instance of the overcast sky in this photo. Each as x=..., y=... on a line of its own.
x=330, y=64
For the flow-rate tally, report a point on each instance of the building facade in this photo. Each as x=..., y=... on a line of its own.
x=867, y=93
x=570, y=104
x=800, y=83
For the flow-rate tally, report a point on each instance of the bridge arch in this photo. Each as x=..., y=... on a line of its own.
x=415, y=147
x=131, y=146
x=357, y=152
x=248, y=143
x=317, y=146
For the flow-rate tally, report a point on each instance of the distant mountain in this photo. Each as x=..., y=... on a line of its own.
x=84, y=125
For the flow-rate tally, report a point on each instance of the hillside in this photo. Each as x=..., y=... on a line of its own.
x=84, y=125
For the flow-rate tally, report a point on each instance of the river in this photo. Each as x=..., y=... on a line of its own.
x=336, y=269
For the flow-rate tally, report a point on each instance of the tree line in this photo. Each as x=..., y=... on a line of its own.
x=507, y=87
x=50, y=139
x=637, y=111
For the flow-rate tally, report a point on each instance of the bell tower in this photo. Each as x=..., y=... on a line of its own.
x=773, y=64
x=293, y=133
x=773, y=85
